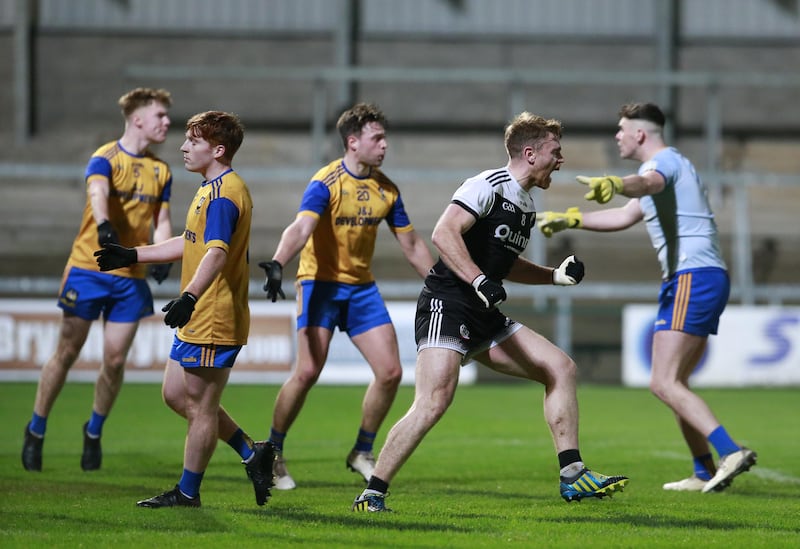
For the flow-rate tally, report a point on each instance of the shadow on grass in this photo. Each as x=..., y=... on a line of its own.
x=640, y=520
x=174, y=521
x=380, y=521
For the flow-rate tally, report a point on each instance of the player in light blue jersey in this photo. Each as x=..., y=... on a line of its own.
x=668, y=195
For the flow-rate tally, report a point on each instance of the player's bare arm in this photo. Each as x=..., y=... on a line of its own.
x=208, y=269
x=168, y=250
x=98, y=196
x=525, y=271
x=416, y=251
x=294, y=237
x=635, y=185
x=613, y=219
x=162, y=224
x=449, y=242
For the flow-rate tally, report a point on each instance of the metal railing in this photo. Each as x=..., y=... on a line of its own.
x=516, y=81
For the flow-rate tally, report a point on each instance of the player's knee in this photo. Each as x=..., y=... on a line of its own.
x=565, y=370
x=659, y=389
x=570, y=369
x=66, y=356
x=174, y=400
x=114, y=363
x=433, y=410
x=306, y=377
x=390, y=378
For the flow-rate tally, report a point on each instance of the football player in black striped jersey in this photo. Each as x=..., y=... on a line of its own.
x=480, y=237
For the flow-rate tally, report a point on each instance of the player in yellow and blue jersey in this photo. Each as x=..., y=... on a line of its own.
x=128, y=192
x=212, y=313
x=334, y=233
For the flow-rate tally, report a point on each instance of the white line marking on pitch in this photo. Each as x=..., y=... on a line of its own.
x=758, y=470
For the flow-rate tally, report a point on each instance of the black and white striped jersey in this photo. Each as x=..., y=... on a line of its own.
x=504, y=214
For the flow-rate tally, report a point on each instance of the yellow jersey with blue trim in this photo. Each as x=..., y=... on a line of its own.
x=349, y=209
x=219, y=217
x=139, y=186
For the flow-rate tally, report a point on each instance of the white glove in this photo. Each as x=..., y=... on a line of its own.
x=569, y=273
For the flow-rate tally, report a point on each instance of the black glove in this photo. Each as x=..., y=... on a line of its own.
x=160, y=271
x=274, y=277
x=179, y=310
x=113, y=256
x=491, y=293
x=106, y=234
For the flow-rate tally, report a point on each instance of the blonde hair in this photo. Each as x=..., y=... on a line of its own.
x=140, y=97
x=529, y=129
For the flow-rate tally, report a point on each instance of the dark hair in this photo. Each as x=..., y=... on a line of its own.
x=218, y=128
x=353, y=120
x=643, y=111
x=529, y=129
x=141, y=97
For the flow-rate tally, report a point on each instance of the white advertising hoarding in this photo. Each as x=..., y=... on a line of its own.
x=29, y=334
x=755, y=346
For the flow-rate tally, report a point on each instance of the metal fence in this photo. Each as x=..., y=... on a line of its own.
x=521, y=19
x=637, y=19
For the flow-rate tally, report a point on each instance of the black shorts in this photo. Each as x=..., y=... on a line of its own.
x=452, y=322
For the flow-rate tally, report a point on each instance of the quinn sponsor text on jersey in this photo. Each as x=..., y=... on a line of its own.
x=504, y=215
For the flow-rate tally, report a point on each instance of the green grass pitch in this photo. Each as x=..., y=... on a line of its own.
x=486, y=476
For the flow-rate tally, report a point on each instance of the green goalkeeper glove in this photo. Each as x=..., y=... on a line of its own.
x=554, y=222
x=602, y=189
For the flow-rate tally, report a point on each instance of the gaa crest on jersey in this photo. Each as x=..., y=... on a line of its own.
x=199, y=205
x=70, y=297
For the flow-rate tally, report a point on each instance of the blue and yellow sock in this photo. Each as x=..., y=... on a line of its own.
x=190, y=483
x=277, y=438
x=95, y=427
x=365, y=441
x=38, y=425
x=722, y=442
x=701, y=466
x=242, y=444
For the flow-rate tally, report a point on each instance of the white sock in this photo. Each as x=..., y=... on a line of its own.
x=572, y=469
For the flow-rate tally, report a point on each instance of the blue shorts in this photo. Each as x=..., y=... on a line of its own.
x=354, y=308
x=693, y=300
x=87, y=293
x=192, y=355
